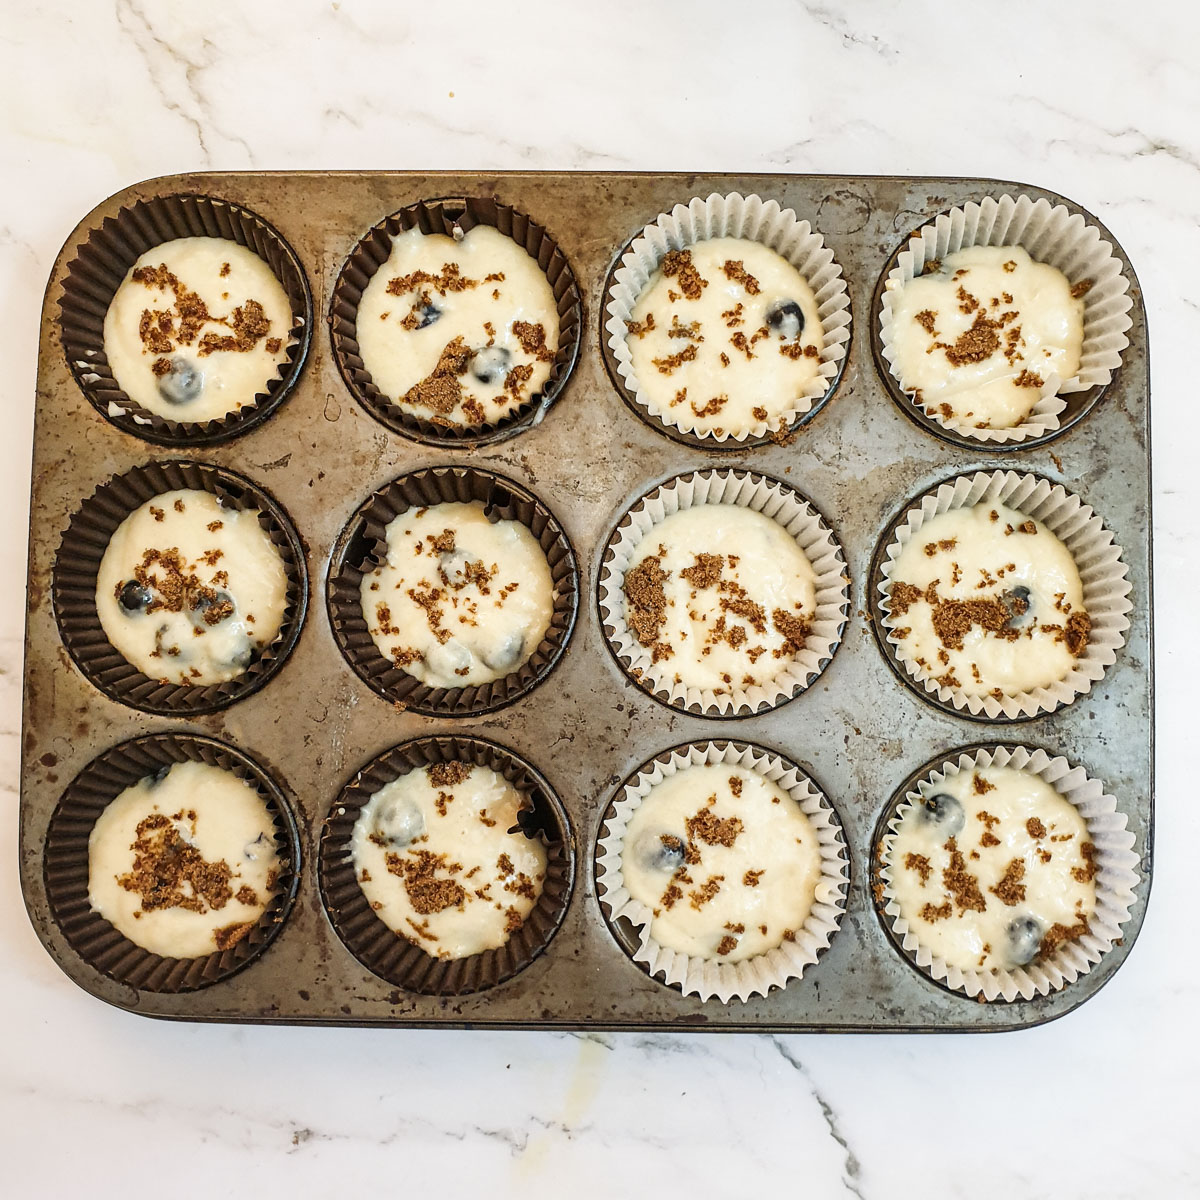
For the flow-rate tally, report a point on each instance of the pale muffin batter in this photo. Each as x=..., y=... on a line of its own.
x=976, y=339
x=985, y=600
x=460, y=600
x=184, y=862
x=720, y=596
x=197, y=329
x=458, y=332
x=993, y=870
x=725, y=338
x=188, y=591
x=434, y=856
x=725, y=859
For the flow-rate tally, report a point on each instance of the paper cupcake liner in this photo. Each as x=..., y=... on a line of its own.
x=391, y=955
x=362, y=546
x=1050, y=234
x=100, y=267
x=1116, y=879
x=784, y=505
x=77, y=564
x=630, y=919
x=1102, y=572
x=453, y=217
x=737, y=216
x=66, y=864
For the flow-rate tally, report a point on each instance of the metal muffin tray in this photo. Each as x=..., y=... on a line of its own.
x=858, y=731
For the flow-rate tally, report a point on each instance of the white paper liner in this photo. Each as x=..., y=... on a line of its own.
x=798, y=517
x=1050, y=234
x=1097, y=557
x=753, y=976
x=1116, y=878
x=734, y=216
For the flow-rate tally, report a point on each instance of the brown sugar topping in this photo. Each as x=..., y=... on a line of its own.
x=1079, y=626
x=941, y=913
x=920, y=864
x=727, y=944
x=533, y=340
x=735, y=271
x=982, y=787
x=793, y=628
x=679, y=264
x=960, y=883
x=735, y=785
x=1087, y=872
x=975, y=344
x=902, y=597
x=440, y=390
x=707, y=890
x=1035, y=828
x=705, y=572
x=1010, y=890
x=169, y=873
x=639, y=329
x=713, y=830
x=647, y=601
x=450, y=279
x=926, y=319
x=426, y=892
x=751, y=878
x=448, y=774
x=1058, y=934
x=670, y=364
x=230, y=935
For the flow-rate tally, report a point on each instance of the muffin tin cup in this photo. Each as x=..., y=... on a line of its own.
x=66, y=864
x=798, y=517
x=1050, y=234
x=630, y=919
x=100, y=268
x=362, y=546
x=392, y=956
x=1116, y=877
x=1102, y=572
x=734, y=216
x=77, y=564
x=453, y=217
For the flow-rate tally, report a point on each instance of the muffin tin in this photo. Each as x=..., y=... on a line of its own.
x=859, y=731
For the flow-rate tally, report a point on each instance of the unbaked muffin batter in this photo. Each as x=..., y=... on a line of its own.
x=720, y=596
x=435, y=857
x=993, y=870
x=188, y=591
x=725, y=337
x=976, y=339
x=184, y=862
x=986, y=600
x=725, y=859
x=458, y=332
x=460, y=600
x=197, y=329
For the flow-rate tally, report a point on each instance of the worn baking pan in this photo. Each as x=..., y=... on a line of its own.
x=859, y=732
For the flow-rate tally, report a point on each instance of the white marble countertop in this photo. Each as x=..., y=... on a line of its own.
x=1075, y=97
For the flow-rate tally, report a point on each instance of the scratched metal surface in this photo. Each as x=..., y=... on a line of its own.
x=858, y=731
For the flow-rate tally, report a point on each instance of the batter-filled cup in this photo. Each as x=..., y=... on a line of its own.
x=1109, y=865
x=363, y=547
x=399, y=959
x=1103, y=579
x=77, y=568
x=796, y=949
x=66, y=863
x=1051, y=235
x=100, y=268
x=453, y=218
x=771, y=678
x=659, y=248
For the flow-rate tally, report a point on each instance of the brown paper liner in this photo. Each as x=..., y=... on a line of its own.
x=390, y=955
x=444, y=216
x=362, y=546
x=65, y=864
x=73, y=589
x=101, y=265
